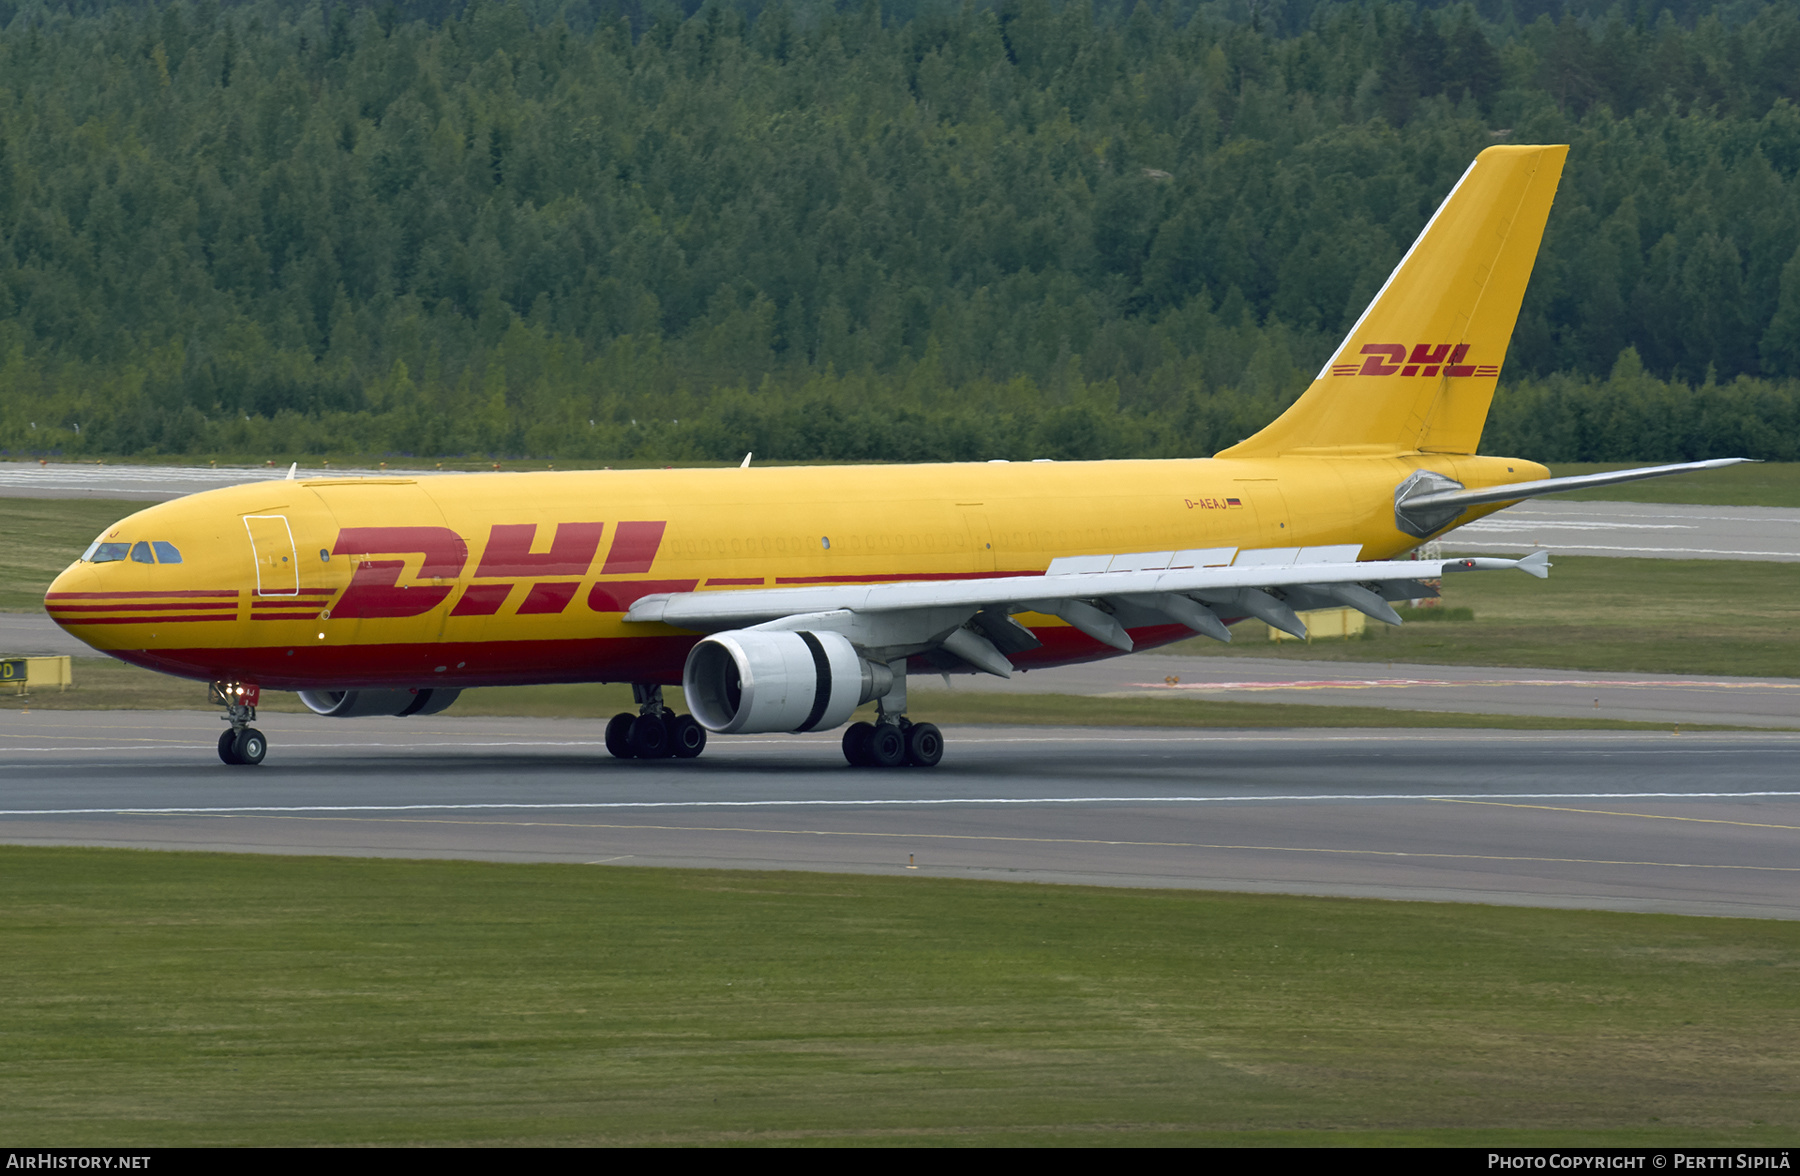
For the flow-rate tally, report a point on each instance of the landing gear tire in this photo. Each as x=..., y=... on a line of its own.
x=649, y=737
x=618, y=735
x=249, y=746
x=887, y=746
x=924, y=745
x=687, y=738
x=856, y=744
x=228, y=747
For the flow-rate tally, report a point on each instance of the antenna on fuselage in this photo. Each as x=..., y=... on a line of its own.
x=746, y=462
x=292, y=470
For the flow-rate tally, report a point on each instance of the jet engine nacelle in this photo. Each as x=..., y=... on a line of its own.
x=356, y=704
x=748, y=681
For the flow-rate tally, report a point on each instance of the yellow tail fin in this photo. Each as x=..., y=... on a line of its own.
x=1417, y=371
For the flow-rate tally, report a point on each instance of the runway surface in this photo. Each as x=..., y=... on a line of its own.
x=144, y=483
x=1572, y=694
x=1697, y=824
x=1636, y=529
x=36, y=635
x=1674, y=699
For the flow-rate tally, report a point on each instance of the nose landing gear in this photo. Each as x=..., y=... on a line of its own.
x=241, y=745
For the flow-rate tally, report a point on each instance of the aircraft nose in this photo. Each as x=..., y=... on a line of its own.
x=77, y=577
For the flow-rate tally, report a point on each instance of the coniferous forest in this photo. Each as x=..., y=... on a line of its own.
x=884, y=231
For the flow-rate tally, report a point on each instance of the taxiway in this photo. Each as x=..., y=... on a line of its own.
x=1691, y=823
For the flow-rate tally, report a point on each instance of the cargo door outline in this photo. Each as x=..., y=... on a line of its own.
x=1271, y=509
x=981, y=540
x=273, y=548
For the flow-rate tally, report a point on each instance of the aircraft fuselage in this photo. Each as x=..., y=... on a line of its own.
x=502, y=579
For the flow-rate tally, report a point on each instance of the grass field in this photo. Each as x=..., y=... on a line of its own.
x=42, y=536
x=167, y=999
x=1642, y=615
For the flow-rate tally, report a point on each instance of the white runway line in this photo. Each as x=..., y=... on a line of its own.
x=1456, y=543
x=1386, y=683
x=907, y=802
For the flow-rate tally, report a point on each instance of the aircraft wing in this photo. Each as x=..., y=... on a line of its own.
x=1102, y=596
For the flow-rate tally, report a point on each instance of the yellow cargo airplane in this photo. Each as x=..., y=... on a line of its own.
x=782, y=599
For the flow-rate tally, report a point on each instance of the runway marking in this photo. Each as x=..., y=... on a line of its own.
x=1388, y=683
x=1764, y=514
x=1536, y=523
x=1576, y=547
x=901, y=802
x=445, y=741
x=1608, y=813
x=915, y=837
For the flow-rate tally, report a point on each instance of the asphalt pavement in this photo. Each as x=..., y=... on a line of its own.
x=1635, y=529
x=1690, y=823
x=1568, y=694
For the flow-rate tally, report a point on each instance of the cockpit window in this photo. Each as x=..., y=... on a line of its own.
x=106, y=552
x=140, y=553
x=166, y=553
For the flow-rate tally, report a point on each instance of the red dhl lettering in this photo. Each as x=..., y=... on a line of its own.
x=1421, y=359
x=375, y=589
x=508, y=552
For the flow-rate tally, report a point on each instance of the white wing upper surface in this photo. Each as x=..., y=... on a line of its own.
x=1102, y=596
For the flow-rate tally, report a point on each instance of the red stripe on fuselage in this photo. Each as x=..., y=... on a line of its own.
x=548, y=598
x=481, y=600
x=656, y=659
x=137, y=595
x=54, y=609
x=619, y=595
x=77, y=622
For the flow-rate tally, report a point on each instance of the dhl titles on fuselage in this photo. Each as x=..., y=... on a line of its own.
x=493, y=579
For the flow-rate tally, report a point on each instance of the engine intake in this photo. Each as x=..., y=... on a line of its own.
x=749, y=682
x=356, y=704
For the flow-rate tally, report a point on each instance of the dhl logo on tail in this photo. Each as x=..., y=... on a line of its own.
x=1393, y=359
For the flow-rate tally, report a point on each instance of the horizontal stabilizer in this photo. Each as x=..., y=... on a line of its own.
x=1439, y=499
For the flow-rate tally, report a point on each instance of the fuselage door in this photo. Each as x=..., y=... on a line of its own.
x=272, y=545
x=981, y=537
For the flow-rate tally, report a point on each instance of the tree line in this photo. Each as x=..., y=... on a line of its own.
x=888, y=232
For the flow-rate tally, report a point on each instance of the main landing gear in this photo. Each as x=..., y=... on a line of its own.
x=655, y=732
x=893, y=740
x=240, y=744
x=893, y=744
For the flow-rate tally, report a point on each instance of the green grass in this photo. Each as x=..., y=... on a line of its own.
x=159, y=999
x=1660, y=616
x=39, y=537
x=105, y=684
x=1769, y=483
